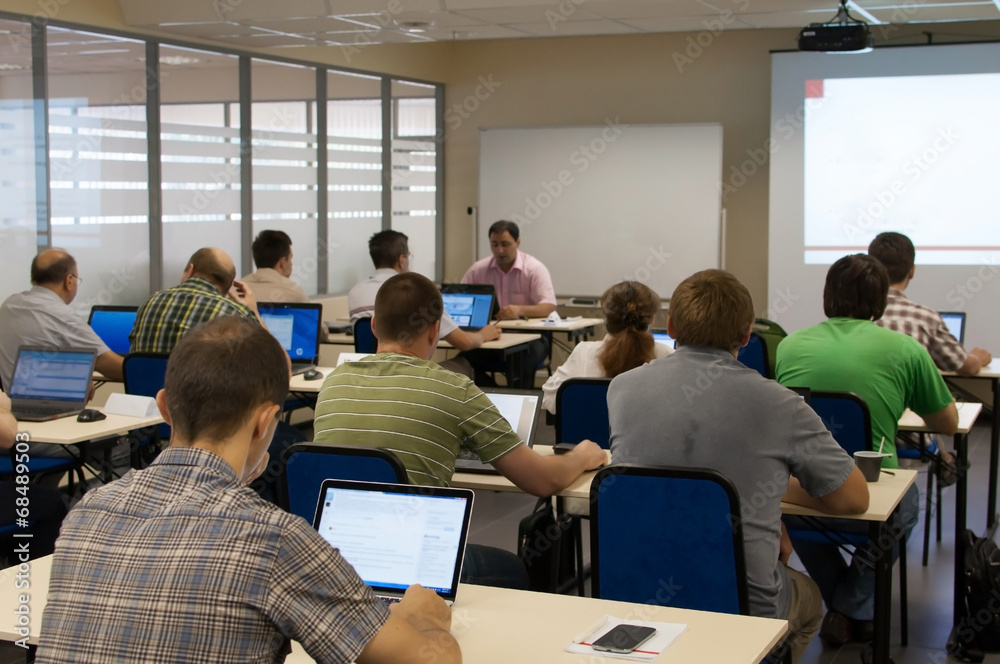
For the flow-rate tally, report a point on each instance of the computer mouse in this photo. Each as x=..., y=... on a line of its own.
x=90, y=415
x=312, y=374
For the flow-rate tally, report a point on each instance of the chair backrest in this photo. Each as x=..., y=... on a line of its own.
x=846, y=416
x=144, y=374
x=582, y=411
x=668, y=536
x=754, y=356
x=364, y=339
x=306, y=465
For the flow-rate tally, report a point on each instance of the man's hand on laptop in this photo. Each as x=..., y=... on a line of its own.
x=423, y=609
x=490, y=332
x=592, y=454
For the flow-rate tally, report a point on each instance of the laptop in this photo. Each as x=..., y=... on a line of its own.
x=955, y=320
x=395, y=535
x=521, y=410
x=470, y=311
x=479, y=290
x=50, y=383
x=113, y=324
x=296, y=325
x=660, y=336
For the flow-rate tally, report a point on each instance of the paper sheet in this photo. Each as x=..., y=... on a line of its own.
x=666, y=633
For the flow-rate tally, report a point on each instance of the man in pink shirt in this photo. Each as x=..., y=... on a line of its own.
x=524, y=290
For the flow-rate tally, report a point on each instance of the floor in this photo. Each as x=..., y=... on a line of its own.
x=496, y=516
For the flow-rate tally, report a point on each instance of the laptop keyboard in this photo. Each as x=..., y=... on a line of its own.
x=22, y=413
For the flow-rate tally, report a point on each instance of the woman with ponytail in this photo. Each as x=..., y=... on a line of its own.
x=629, y=308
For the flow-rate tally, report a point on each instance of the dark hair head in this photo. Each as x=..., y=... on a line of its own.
x=270, y=247
x=386, y=247
x=895, y=251
x=711, y=309
x=218, y=373
x=51, y=267
x=499, y=227
x=405, y=306
x=629, y=308
x=215, y=265
x=857, y=286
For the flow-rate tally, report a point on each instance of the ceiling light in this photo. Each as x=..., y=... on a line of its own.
x=176, y=60
x=414, y=26
x=6, y=66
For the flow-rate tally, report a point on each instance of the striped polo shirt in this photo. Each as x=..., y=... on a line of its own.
x=416, y=409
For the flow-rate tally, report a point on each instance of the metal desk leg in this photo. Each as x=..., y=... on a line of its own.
x=991, y=501
x=879, y=533
x=961, y=499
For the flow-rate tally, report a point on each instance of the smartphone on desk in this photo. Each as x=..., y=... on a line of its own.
x=624, y=638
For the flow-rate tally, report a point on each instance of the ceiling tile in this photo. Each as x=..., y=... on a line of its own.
x=618, y=9
x=244, y=10
x=683, y=24
x=303, y=25
x=796, y=19
x=504, y=16
x=484, y=31
x=924, y=13
x=206, y=30
x=266, y=41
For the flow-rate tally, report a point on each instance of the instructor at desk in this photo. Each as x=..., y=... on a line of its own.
x=524, y=289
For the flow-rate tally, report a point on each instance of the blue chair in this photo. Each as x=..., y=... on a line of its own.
x=39, y=465
x=306, y=465
x=754, y=356
x=582, y=411
x=668, y=536
x=144, y=375
x=848, y=419
x=364, y=339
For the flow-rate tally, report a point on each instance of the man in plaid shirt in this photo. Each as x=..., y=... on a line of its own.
x=208, y=289
x=896, y=252
x=182, y=563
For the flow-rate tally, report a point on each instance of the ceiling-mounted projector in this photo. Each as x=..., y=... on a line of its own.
x=844, y=34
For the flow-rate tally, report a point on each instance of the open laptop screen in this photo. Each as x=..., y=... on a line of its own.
x=397, y=535
x=296, y=327
x=52, y=375
x=468, y=310
x=113, y=325
x=519, y=408
x=660, y=336
x=955, y=320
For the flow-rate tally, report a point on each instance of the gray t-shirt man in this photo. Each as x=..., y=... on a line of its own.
x=699, y=407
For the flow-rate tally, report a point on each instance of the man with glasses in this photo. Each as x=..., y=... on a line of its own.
x=42, y=316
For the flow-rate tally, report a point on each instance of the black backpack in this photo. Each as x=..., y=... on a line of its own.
x=979, y=629
x=545, y=546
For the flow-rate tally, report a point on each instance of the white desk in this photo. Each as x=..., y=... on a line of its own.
x=67, y=431
x=967, y=414
x=498, y=625
x=540, y=325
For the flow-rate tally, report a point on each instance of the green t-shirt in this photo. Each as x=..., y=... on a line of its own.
x=889, y=370
x=416, y=409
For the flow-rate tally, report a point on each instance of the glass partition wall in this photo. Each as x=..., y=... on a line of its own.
x=131, y=154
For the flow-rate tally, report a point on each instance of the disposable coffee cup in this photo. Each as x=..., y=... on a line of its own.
x=870, y=464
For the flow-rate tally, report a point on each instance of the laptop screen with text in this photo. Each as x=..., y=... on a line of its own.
x=52, y=375
x=468, y=310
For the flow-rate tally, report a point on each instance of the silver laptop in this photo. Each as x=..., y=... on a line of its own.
x=395, y=535
x=50, y=383
x=521, y=410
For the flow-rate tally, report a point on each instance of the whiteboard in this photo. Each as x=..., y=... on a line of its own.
x=602, y=204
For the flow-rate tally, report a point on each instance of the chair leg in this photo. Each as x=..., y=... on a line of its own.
x=928, y=513
x=939, y=504
x=904, y=627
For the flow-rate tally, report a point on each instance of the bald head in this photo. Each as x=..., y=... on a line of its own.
x=213, y=264
x=51, y=267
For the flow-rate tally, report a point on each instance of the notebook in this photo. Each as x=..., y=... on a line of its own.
x=660, y=336
x=351, y=357
x=48, y=383
x=955, y=320
x=113, y=324
x=296, y=325
x=521, y=410
x=481, y=290
x=395, y=535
